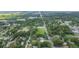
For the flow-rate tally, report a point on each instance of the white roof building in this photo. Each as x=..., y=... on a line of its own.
x=21, y=20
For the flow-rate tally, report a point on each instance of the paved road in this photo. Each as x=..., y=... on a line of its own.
x=45, y=28
x=27, y=42
x=44, y=25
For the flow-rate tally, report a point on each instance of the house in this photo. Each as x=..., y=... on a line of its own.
x=75, y=29
x=21, y=19
x=32, y=17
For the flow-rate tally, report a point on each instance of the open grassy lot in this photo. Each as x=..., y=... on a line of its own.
x=40, y=31
x=7, y=16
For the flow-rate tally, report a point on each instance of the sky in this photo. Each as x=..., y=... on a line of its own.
x=39, y=5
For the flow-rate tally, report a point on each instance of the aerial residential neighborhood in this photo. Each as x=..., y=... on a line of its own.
x=39, y=29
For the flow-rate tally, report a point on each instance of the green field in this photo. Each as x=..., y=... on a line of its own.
x=40, y=31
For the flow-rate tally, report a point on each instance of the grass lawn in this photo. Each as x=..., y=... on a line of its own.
x=40, y=31
x=6, y=16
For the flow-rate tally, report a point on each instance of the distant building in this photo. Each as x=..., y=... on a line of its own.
x=32, y=17
x=75, y=29
x=3, y=20
x=67, y=22
x=21, y=20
